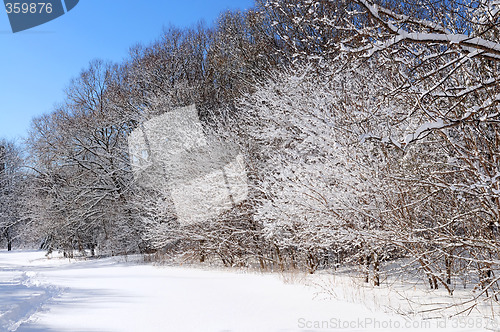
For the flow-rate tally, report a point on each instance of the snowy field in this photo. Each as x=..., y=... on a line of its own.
x=40, y=294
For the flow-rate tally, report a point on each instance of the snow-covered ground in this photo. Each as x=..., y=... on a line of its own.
x=40, y=294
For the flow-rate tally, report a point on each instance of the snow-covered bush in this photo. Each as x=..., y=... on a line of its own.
x=319, y=176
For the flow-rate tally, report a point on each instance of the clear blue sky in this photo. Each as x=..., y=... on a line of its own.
x=37, y=64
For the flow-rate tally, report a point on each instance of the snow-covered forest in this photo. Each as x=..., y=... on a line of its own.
x=368, y=132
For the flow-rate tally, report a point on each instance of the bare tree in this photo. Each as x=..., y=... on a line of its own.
x=447, y=56
x=81, y=154
x=11, y=191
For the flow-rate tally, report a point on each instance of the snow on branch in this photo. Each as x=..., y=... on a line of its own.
x=434, y=33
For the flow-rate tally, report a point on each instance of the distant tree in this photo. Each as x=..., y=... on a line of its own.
x=81, y=154
x=11, y=191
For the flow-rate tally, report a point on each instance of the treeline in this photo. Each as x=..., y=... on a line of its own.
x=368, y=135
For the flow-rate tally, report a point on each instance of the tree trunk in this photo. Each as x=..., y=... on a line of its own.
x=202, y=251
x=376, y=269
x=366, y=261
x=9, y=239
x=448, y=263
